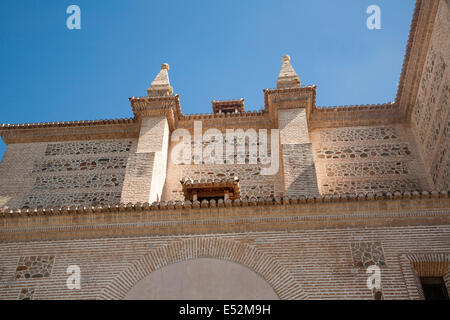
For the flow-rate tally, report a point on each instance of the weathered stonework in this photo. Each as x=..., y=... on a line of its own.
x=364, y=151
x=367, y=159
x=69, y=165
x=52, y=199
x=26, y=294
x=34, y=267
x=299, y=169
x=430, y=114
x=97, y=147
x=363, y=186
x=366, y=254
x=358, y=134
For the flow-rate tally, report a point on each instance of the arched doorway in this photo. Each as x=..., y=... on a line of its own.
x=266, y=267
x=203, y=279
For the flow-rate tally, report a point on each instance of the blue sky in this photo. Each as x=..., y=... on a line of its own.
x=216, y=50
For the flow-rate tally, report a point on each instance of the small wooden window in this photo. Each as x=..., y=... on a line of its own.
x=434, y=288
x=211, y=190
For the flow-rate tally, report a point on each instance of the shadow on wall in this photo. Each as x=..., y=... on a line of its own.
x=305, y=183
x=2, y=149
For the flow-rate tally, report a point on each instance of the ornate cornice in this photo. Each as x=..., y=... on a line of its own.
x=254, y=215
x=69, y=130
x=170, y=205
x=168, y=106
x=289, y=98
x=361, y=115
x=65, y=124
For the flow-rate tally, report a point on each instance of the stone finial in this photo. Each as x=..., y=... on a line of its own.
x=287, y=78
x=286, y=58
x=161, y=85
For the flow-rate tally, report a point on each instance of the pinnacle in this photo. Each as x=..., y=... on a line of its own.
x=161, y=85
x=287, y=78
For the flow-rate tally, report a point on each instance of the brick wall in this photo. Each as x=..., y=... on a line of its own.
x=15, y=172
x=146, y=176
x=80, y=173
x=299, y=169
x=251, y=183
x=367, y=159
x=297, y=157
x=323, y=264
x=430, y=118
x=293, y=126
x=136, y=187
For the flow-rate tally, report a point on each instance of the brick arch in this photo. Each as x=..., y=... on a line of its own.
x=284, y=285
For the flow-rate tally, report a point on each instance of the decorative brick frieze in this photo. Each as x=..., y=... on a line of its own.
x=88, y=147
x=367, y=169
x=26, y=294
x=54, y=199
x=85, y=164
x=34, y=267
x=428, y=110
x=358, y=134
x=429, y=106
x=441, y=166
x=363, y=151
x=366, y=254
x=420, y=36
x=62, y=182
x=367, y=159
x=379, y=185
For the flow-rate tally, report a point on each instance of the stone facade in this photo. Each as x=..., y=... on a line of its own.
x=84, y=173
x=430, y=115
x=308, y=259
x=367, y=159
x=353, y=189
